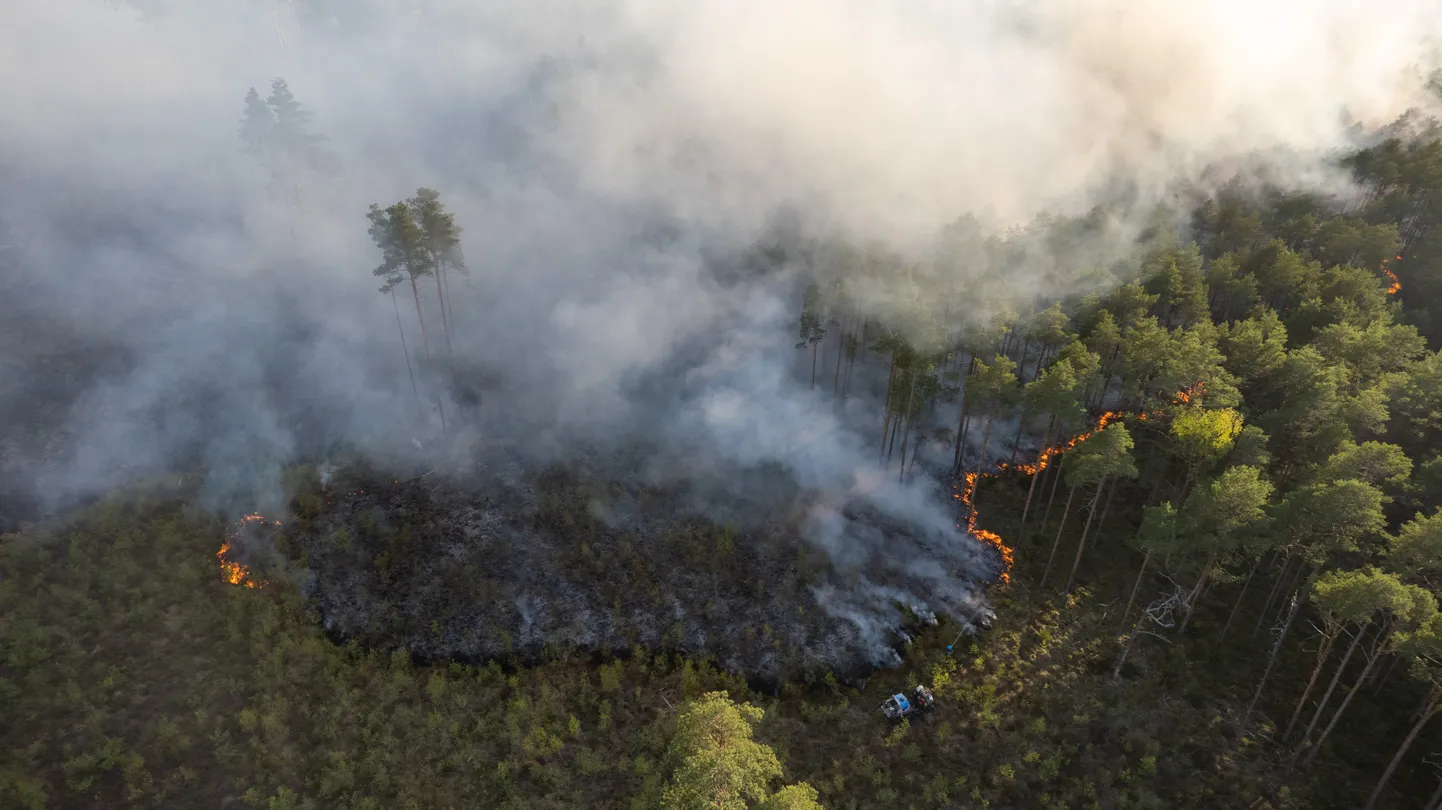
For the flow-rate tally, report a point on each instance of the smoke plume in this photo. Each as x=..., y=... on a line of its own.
x=614, y=167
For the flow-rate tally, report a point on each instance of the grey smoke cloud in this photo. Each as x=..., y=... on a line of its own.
x=603, y=160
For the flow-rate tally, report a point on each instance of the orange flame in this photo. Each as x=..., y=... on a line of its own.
x=231, y=571
x=1396, y=285
x=966, y=488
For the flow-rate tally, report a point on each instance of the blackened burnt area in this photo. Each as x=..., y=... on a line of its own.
x=560, y=563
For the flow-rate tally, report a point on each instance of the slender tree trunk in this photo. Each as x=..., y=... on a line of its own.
x=1127, y=648
x=1137, y=586
x=915, y=451
x=1282, y=577
x=1196, y=593
x=1396, y=758
x=416, y=295
x=846, y=377
x=1327, y=696
x=1386, y=675
x=1322, y=650
x=1016, y=443
x=1026, y=507
x=910, y=417
x=840, y=350
x=960, y=434
x=402, y=332
x=1057, y=542
x=905, y=437
x=445, y=320
x=815, y=347
x=891, y=443
x=886, y=406
x=1240, y=596
x=981, y=461
x=885, y=434
x=1055, y=482
x=1107, y=505
x=1082, y=544
x=1272, y=659
x=1346, y=701
x=446, y=307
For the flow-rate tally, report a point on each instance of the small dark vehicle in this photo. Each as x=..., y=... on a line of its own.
x=899, y=706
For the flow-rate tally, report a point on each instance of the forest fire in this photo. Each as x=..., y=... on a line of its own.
x=966, y=488
x=238, y=573
x=1396, y=285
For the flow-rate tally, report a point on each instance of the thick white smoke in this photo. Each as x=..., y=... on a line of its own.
x=604, y=161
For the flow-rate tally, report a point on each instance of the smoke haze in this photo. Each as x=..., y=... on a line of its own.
x=612, y=165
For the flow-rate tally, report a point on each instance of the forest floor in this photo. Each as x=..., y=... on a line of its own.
x=133, y=676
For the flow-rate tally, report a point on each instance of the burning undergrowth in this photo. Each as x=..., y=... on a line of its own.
x=563, y=559
x=250, y=536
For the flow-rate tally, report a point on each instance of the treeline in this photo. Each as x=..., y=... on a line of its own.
x=1271, y=407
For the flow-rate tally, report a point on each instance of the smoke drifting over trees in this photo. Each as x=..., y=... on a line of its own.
x=645, y=189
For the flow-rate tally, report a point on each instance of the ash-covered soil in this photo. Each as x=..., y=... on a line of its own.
x=523, y=564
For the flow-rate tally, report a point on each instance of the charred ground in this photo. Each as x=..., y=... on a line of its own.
x=523, y=565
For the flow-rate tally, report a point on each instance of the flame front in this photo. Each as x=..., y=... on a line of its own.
x=231, y=571
x=1395, y=286
x=966, y=488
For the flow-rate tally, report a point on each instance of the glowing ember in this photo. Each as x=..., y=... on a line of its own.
x=231, y=571
x=1396, y=285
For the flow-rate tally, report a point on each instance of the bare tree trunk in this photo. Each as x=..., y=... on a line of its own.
x=1240, y=596
x=885, y=434
x=815, y=347
x=910, y=417
x=840, y=350
x=1346, y=701
x=1137, y=586
x=1082, y=544
x=1322, y=650
x=1272, y=659
x=1127, y=648
x=1107, y=504
x=981, y=461
x=891, y=445
x=1057, y=542
x=1196, y=593
x=1411, y=737
x=1282, y=577
x=402, y=332
x=445, y=281
x=1026, y=507
x=1386, y=674
x=1327, y=696
x=886, y=406
x=915, y=451
x=1016, y=443
x=416, y=294
x=905, y=437
x=1055, y=481
x=425, y=341
x=445, y=320
x=960, y=434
